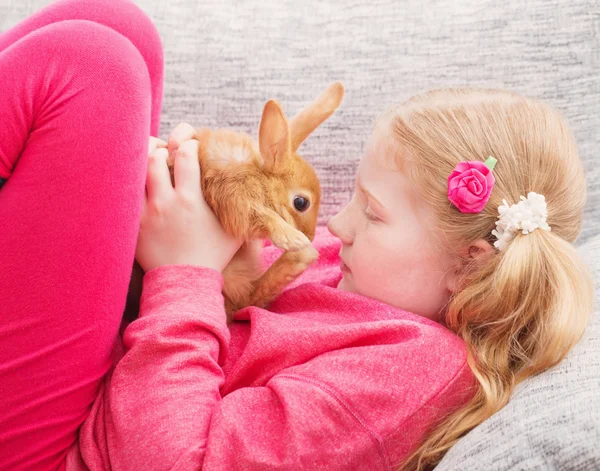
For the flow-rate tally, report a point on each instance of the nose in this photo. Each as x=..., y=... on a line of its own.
x=341, y=227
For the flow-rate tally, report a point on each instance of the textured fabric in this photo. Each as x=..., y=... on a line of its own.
x=552, y=420
x=306, y=385
x=224, y=59
x=75, y=113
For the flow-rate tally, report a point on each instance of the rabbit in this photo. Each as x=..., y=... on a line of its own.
x=260, y=191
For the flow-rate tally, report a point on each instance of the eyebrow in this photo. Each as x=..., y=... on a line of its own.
x=370, y=196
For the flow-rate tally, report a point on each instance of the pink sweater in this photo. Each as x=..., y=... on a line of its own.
x=324, y=380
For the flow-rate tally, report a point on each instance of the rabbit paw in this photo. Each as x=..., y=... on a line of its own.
x=305, y=258
x=287, y=268
x=289, y=239
x=301, y=260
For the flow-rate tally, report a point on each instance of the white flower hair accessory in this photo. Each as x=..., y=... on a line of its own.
x=527, y=215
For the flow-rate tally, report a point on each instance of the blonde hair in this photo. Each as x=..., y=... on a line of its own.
x=521, y=310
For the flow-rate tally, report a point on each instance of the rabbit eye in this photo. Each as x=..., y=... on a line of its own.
x=301, y=204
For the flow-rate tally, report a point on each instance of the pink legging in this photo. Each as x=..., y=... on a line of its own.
x=80, y=92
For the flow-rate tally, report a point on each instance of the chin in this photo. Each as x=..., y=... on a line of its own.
x=344, y=285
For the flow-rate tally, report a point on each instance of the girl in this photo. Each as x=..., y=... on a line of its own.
x=346, y=378
x=452, y=290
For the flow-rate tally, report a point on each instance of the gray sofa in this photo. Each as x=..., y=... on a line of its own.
x=224, y=58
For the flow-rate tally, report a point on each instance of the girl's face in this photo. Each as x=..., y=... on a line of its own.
x=388, y=250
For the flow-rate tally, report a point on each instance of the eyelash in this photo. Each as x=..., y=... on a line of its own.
x=369, y=215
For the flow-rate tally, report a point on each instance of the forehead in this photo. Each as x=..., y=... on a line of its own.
x=381, y=172
x=378, y=165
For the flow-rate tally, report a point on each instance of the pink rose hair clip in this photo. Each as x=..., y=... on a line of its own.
x=470, y=185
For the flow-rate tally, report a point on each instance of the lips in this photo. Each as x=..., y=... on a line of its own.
x=343, y=265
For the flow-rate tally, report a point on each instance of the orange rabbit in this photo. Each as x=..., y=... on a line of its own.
x=262, y=191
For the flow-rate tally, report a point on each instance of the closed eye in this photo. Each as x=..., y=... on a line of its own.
x=369, y=214
x=369, y=200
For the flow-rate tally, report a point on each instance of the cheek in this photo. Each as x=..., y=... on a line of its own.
x=399, y=268
x=376, y=257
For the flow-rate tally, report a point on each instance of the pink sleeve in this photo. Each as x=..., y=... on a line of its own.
x=163, y=409
x=166, y=411
x=164, y=390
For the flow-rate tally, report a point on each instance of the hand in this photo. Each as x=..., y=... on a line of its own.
x=177, y=225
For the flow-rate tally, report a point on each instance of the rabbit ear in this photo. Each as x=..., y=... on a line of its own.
x=274, y=141
x=307, y=120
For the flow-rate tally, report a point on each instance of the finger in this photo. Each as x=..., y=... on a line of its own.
x=155, y=143
x=187, y=168
x=180, y=134
x=144, y=209
x=158, y=179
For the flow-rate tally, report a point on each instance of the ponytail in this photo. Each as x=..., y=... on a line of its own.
x=519, y=314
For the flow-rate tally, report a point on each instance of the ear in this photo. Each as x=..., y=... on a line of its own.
x=311, y=117
x=473, y=254
x=274, y=140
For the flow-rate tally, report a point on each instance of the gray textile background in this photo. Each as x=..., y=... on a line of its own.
x=225, y=58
